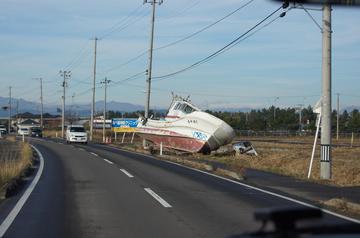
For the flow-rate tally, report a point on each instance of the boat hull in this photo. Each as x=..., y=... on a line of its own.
x=173, y=140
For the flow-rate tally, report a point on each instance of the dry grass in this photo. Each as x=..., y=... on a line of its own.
x=343, y=206
x=343, y=140
x=294, y=159
x=51, y=133
x=15, y=157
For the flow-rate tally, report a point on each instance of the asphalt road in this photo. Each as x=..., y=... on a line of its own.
x=97, y=191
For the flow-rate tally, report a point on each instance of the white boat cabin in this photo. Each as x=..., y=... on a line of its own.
x=180, y=109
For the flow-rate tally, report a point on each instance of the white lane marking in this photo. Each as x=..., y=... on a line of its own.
x=157, y=197
x=94, y=154
x=249, y=187
x=60, y=143
x=81, y=149
x=127, y=173
x=15, y=211
x=108, y=161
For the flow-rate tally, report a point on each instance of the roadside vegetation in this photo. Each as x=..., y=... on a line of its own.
x=294, y=160
x=281, y=155
x=15, y=157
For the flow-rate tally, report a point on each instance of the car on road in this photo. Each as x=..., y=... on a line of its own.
x=76, y=133
x=3, y=130
x=36, y=132
x=24, y=131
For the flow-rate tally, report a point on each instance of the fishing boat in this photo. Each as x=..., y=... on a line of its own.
x=186, y=128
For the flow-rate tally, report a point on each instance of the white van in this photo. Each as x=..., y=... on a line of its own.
x=24, y=131
x=76, y=133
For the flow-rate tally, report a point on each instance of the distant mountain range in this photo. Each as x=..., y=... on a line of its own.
x=81, y=109
x=84, y=109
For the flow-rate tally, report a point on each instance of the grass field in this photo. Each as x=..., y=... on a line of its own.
x=294, y=160
x=285, y=156
x=15, y=157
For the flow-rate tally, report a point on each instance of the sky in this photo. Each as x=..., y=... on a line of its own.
x=278, y=65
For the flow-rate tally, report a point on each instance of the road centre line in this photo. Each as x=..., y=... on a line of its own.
x=15, y=211
x=81, y=149
x=157, y=198
x=108, y=161
x=94, y=154
x=250, y=187
x=127, y=173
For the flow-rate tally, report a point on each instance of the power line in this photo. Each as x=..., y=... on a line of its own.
x=126, y=22
x=221, y=95
x=312, y=18
x=77, y=60
x=135, y=76
x=204, y=28
x=180, y=40
x=218, y=52
x=184, y=10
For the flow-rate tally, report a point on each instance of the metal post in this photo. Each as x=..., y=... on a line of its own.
x=123, y=138
x=9, y=109
x=132, y=137
x=315, y=141
x=325, y=161
x=337, y=116
x=161, y=148
x=93, y=93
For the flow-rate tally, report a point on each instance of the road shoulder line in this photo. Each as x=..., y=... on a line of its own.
x=15, y=211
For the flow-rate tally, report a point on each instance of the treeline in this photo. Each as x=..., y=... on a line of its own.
x=137, y=114
x=286, y=119
x=266, y=120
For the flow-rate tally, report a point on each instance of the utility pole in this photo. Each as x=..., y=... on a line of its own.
x=325, y=160
x=41, y=102
x=65, y=75
x=300, y=106
x=105, y=82
x=277, y=98
x=149, y=70
x=10, y=109
x=337, y=116
x=17, y=110
x=93, y=92
x=42, y=105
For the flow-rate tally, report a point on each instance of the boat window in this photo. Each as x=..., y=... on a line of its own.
x=182, y=107
x=188, y=109
x=177, y=106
